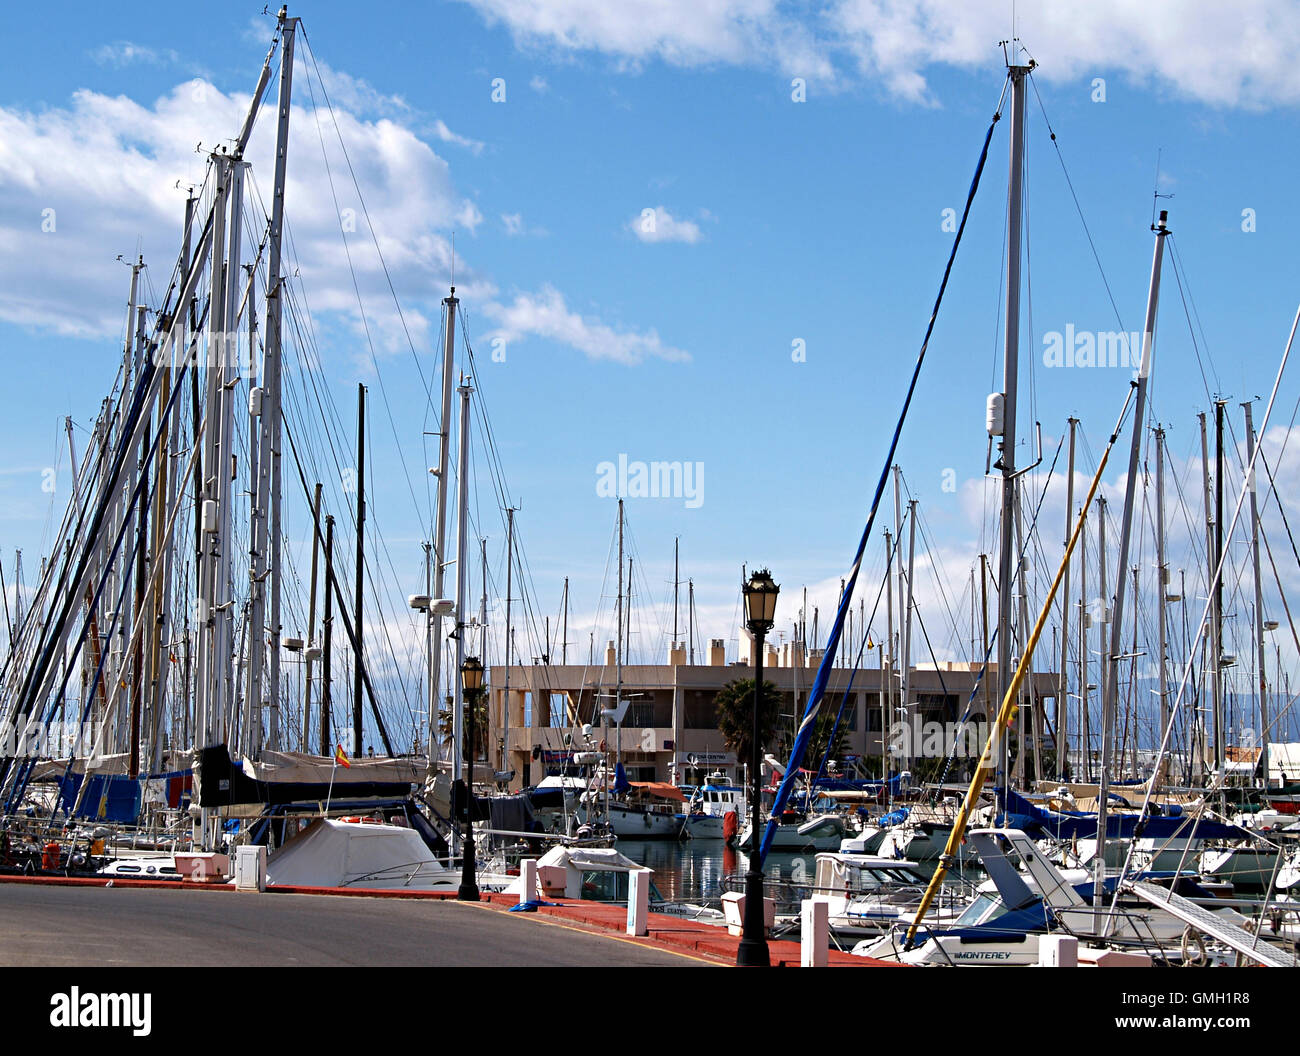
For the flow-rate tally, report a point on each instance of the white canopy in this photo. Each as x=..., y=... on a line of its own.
x=350, y=854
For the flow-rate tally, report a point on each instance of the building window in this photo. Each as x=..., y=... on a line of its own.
x=559, y=715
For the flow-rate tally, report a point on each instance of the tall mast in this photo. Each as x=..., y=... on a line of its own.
x=1030, y=721
x=1210, y=667
x=1102, y=635
x=676, y=542
x=1010, y=374
x=1085, y=619
x=564, y=630
x=1259, y=596
x=209, y=652
x=690, y=619
x=482, y=601
x=1220, y=726
x=1062, y=692
x=449, y=304
x=326, y=692
x=510, y=567
x=265, y=407
x=462, y=575
x=1109, y=695
x=900, y=583
x=308, y=655
x=1162, y=578
x=888, y=702
x=905, y=667
x=358, y=664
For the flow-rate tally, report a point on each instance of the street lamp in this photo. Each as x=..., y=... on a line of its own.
x=471, y=674
x=760, y=614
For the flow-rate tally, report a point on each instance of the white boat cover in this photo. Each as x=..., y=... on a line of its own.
x=348, y=854
x=300, y=768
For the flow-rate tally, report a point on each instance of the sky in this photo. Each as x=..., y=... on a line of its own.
x=707, y=233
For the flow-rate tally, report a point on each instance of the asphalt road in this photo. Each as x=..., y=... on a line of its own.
x=100, y=927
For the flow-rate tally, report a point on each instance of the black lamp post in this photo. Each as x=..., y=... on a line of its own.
x=471, y=675
x=760, y=614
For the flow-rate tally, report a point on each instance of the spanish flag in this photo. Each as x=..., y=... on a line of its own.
x=340, y=757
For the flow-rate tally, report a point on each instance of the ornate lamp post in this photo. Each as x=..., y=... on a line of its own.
x=471, y=674
x=760, y=614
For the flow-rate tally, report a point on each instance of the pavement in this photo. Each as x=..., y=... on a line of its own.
x=88, y=922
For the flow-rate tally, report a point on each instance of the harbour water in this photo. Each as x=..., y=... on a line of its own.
x=694, y=870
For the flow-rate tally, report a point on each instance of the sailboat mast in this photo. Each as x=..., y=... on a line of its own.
x=358, y=664
x=1109, y=696
x=905, y=667
x=690, y=619
x=327, y=692
x=1085, y=731
x=308, y=655
x=1062, y=691
x=887, y=703
x=462, y=575
x=505, y=707
x=1259, y=596
x=1220, y=727
x=268, y=449
x=1010, y=374
x=676, y=581
x=1162, y=578
x=449, y=304
x=1210, y=667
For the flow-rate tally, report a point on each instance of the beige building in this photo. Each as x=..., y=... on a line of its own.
x=669, y=730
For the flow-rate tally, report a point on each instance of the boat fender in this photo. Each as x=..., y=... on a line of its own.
x=730, y=824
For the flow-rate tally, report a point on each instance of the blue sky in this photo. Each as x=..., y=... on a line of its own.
x=816, y=221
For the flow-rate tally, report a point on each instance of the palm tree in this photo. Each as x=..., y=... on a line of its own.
x=735, y=708
x=446, y=730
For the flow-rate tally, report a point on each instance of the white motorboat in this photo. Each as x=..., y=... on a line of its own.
x=868, y=895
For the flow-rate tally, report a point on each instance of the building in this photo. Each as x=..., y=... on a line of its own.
x=669, y=731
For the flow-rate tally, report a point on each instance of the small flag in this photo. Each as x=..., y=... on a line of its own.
x=870, y=644
x=340, y=757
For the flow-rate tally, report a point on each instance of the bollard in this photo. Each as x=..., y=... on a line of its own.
x=527, y=880
x=814, y=932
x=638, y=901
x=1058, y=951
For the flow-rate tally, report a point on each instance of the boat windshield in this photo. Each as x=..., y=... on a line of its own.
x=978, y=912
x=608, y=885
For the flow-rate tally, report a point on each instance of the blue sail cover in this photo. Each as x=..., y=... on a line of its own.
x=1034, y=820
x=109, y=797
x=805, y=731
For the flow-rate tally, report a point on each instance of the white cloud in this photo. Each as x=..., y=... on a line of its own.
x=659, y=225
x=679, y=32
x=1220, y=54
x=108, y=168
x=545, y=315
x=539, y=84
x=124, y=53
x=445, y=134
